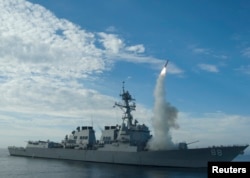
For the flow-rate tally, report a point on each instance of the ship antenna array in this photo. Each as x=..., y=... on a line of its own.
x=126, y=105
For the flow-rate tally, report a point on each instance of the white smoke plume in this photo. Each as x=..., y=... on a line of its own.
x=164, y=117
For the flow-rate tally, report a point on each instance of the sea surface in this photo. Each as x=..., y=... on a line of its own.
x=21, y=167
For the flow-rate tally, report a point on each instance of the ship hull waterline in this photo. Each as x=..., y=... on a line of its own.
x=195, y=158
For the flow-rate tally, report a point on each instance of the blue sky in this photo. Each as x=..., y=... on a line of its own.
x=63, y=63
x=207, y=40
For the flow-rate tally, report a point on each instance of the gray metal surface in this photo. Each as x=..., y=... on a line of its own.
x=172, y=158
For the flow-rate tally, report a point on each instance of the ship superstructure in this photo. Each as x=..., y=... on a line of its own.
x=128, y=133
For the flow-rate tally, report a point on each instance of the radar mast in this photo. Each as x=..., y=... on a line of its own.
x=127, y=106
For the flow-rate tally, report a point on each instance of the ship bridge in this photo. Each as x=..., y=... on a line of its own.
x=82, y=138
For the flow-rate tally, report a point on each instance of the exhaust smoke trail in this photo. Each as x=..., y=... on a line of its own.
x=164, y=117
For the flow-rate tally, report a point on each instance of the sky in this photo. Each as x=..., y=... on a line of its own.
x=62, y=64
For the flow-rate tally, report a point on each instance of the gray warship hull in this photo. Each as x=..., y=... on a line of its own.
x=124, y=144
x=198, y=157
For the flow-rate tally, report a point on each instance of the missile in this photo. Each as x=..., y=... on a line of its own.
x=166, y=64
x=164, y=69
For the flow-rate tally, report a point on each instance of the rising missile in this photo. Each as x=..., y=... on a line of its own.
x=166, y=64
x=164, y=69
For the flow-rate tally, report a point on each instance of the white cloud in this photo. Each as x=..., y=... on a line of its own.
x=111, y=42
x=222, y=56
x=246, y=52
x=209, y=68
x=137, y=48
x=207, y=51
x=29, y=36
x=173, y=69
x=213, y=129
x=244, y=69
x=199, y=50
x=45, y=63
x=111, y=29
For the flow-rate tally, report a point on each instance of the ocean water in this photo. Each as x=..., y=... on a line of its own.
x=21, y=167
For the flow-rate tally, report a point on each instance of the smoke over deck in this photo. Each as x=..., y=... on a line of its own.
x=164, y=117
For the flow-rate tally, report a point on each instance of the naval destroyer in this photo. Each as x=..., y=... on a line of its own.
x=124, y=144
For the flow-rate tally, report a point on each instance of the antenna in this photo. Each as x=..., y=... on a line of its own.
x=126, y=105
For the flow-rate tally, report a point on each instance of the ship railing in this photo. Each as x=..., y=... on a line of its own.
x=234, y=145
x=16, y=148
